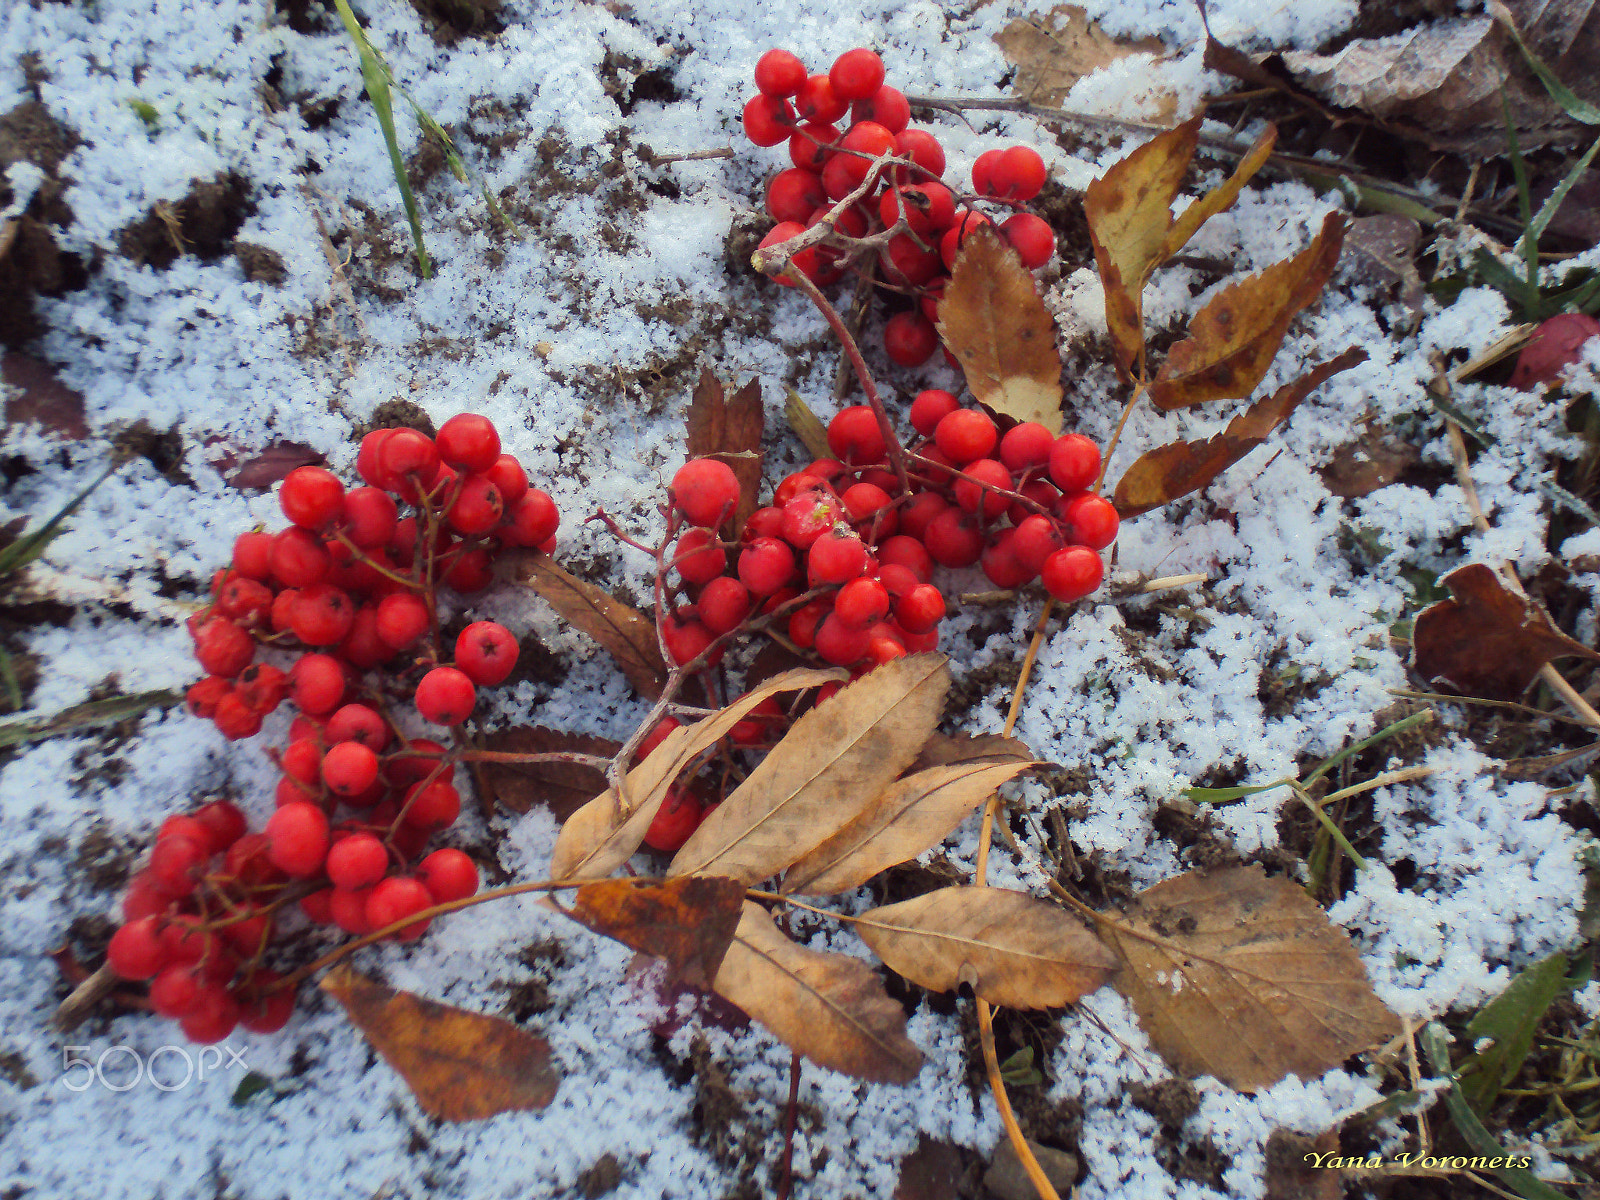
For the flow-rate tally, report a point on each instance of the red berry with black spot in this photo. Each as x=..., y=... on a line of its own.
x=837, y=556
x=531, y=521
x=322, y=615
x=357, y=861
x=1072, y=573
x=477, y=507
x=486, y=653
x=446, y=696
x=768, y=120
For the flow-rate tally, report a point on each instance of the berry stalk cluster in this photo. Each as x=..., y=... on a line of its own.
x=877, y=186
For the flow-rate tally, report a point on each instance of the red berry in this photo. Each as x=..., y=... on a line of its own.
x=908, y=552
x=868, y=507
x=929, y=408
x=508, y=477
x=469, y=570
x=468, y=442
x=862, y=602
x=759, y=726
x=723, y=604
x=1072, y=573
x=678, y=817
x=348, y=909
x=1041, y=491
x=202, y=698
x=316, y=683
x=862, y=142
x=983, y=172
x=531, y=521
x=928, y=208
x=261, y=1011
x=486, y=653
x=299, y=558
x=909, y=338
x=953, y=540
x=176, y=862
x=401, y=619
x=349, y=768
x=252, y=556
x=794, y=194
x=950, y=243
x=986, y=475
x=235, y=719
x=175, y=992
x=698, y=556
x=705, y=490
x=1034, y=240
x=803, y=623
x=477, y=508
x=1001, y=564
x=766, y=565
x=368, y=464
x=136, y=950
x=887, y=106
x=1017, y=174
x=656, y=736
x=908, y=264
x=410, y=459
x=1035, y=539
x=965, y=436
x=779, y=73
x=357, y=861
x=768, y=120
x=297, y=839
x=854, y=436
x=816, y=101
x=446, y=696
x=1092, y=519
x=448, y=875
x=839, y=642
x=395, y=899
x=245, y=600
x=322, y=615
x=213, y=1017
x=425, y=758
x=837, y=556
x=311, y=497
x=223, y=822
x=808, y=516
x=686, y=638
x=922, y=148
x=856, y=74
x=1074, y=462
x=221, y=647
x=920, y=609
x=1026, y=445
x=809, y=149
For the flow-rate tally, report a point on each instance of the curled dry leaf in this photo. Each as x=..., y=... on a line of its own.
x=562, y=787
x=911, y=815
x=460, y=1065
x=729, y=430
x=1243, y=977
x=1051, y=52
x=829, y=1007
x=624, y=632
x=603, y=834
x=1129, y=209
x=830, y=766
x=1234, y=338
x=1486, y=640
x=687, y=921
x=1014, y=949
x=943, y=749
x=998, y=328
x=1178, y=468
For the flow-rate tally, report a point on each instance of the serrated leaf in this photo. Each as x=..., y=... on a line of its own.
x=1220, y=198
x=1162, y=475
x=911, y=815
x=1243, y=977
x=460, y=1065
x=832, y=763
x=1234, y=338
x=1486, y=640
x=998, y=328
x=603, y=834
x=688, y=921
x=624, y=632
x=1013, y=949
x=829, y=1007
x=728, y=429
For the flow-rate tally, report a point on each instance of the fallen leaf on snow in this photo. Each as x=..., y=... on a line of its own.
x=943, y=749
x=1486, y=640
x=1244, y=978
x=1051, y=52
x=1015, y=950
x=460, y=1065
x=728, y=428
x=998, y=328
x=625, y=633
x=830, y=1007
x=687, y=921
x=34, y=394
x=1372, y=461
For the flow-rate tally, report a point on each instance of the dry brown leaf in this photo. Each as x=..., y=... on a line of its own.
x=807, y=426
x=1374, y=460
x=1013, y=949
x=830, y=1007
x=624, y=632
x=832, y=763
x=911, y=815
x=687, y=921
x=38, y=396
x=729, y=430
x=1244, y=978
x=561, y=787
x=1486, y=640
x=1381, y=250
x=943, y=749
x=1292, y=1172
x=1162, y=475
x=1234, y=338
x=1218, y=199
x=998, y=328
x=603, y=834
x=1053, y=51
x=460, y=1065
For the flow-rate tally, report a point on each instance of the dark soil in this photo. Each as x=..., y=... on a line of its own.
x=202, y=223
x=31, y=262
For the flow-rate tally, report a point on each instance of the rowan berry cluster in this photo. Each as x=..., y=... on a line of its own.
x=350, y=590
x=913, y=218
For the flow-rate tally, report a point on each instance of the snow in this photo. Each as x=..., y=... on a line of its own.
x=575, y=347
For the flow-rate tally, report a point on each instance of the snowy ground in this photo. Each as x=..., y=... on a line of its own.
x=582, y=338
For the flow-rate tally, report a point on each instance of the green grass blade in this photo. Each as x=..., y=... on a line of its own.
x=1228, y=795
x=1578, y=109
x=1527, y=244
x=1509, y=1020
x=1547, y=210
x=81, y=716
x=1388, y=731
x=31, y=545
x=8, y=676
